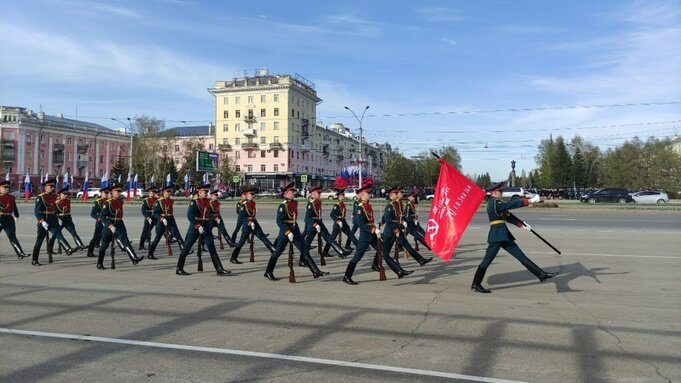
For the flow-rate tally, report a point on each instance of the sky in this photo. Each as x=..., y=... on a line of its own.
x=491, y=78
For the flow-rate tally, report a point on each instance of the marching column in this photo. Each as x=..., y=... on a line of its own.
x=8, y=215
x=95, y=213
x=114, y=228
x=246, y=214
x=47, y=221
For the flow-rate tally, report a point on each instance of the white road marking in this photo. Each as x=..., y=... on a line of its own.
x=608, y=255
x=267, y=355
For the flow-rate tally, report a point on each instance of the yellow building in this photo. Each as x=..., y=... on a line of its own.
x=266, y=125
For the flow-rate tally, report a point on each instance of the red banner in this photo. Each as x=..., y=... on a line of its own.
x=456, y=200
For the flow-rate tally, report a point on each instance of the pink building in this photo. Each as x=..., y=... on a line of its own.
x=183, y=135
x=36, y=143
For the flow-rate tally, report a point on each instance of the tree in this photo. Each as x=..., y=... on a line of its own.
x=226, y=170
x=543, y=159
x=578, y=169
x=399, y=170
x=561, y=165
x=150, y=138
x=119, y=170
x=189, y=165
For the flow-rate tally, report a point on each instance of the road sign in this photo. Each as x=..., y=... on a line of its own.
x=206, y=162
x=236, y=179
x=303, y=178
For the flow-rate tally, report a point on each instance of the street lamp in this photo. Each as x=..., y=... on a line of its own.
x=125, y=127
x=359, y=119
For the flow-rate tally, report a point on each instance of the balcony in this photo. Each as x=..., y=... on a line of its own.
x=58, y=158
x=8, y=144
x=8, y=154
x=276, y=146
x=250, y=119
x=325, y=150
x=305, y=146
x=249, y=146
x=82, y=148
x=225, y=147
x=249, y=132
x=340, y=157
x=57, y=147
x=81, y=164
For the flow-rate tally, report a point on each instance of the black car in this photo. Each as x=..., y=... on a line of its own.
x=619, y=195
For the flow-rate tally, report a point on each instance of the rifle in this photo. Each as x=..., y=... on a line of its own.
x=222, y=247
x=113, y=251
x=250, y=240
x=49, y=251
x=198, y=253
x=397, y=247
x=167, y=235
x=381, y=270
x=319, y=248
x=291, y=274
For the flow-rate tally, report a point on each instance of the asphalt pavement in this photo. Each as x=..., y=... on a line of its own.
x=611, y=315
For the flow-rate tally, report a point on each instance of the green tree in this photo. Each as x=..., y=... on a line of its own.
x=578, y=168
x=544, y=176
x=561, y=165
x=119, y=170
x=151, y=144
x=226, y=169
x=399, y=170
x=189, y=166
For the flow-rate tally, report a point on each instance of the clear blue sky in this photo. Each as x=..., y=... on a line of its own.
x=419, y=59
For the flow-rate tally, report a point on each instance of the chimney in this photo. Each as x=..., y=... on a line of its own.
x=41, y=115
x=61, y=115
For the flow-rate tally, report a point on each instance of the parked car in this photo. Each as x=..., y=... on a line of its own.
x=515, y=193
x=269, y=193
x=619, y=195
x=91, y=193
x=328, y=194
x=140, y=193
x=650, y=196
x=350, y=193
x=430, y=197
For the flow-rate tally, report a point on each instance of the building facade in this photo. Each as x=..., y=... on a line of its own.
x=39, y=144
x=267, y=126
x=181, y=137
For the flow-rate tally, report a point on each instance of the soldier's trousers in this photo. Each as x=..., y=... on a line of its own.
x=172, y=232
x=206, y=239
x=67, y=223
x=239, y=225
x=53, y=228
x=311, y=233
x=245, y=233
x=121, y=239
x=346, y=230
x=96, y=237
x=494, y=247
x=223, y=231
x=353, y=231
x=365, y=240
x=299, y=242
x=146, y=232
x=8, y=225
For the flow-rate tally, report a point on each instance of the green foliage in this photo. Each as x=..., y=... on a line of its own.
x=148, y=149
x=119, y=170
x=189, y=166
x=421, y=171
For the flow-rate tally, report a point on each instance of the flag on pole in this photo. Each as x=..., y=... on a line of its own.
x=7, y=176
x=151, y=182
x=134, y=186
x=128, y=185
x=71, y=183
x=168, y=180
x=186, y=185
x=104, y=182
x=205, y=178
x=56, y=183
x=27, y=187
x=85, y=185
x=119, y=179
x=67, y=184
x=456, y=200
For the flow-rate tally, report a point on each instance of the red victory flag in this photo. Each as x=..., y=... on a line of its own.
x=456, y=200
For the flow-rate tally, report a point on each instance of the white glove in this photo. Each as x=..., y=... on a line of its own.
x=340, y=224
x=527, y=226
x=405, y=224
x=15, y=218
x=201, y=230
x=45, y=225
x=60, y=222
x=165, y=221
x=113, y=229
x=378, y=230
x=318, y=228
x=149, y=220
x=535, y=198
x=252, y=225
x=217, y=220
x=290, y=237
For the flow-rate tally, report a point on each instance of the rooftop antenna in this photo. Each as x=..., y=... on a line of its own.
x=485, y=144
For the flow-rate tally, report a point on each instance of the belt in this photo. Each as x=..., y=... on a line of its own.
x=317, y=218
x=150, y=211
x=203, y=219
x=251, y=218
x=394, y=221
x=47, y=212
x=5, y=213
x=64, y=214
x=167, y=215
x=289, y=221
x=115, y=219
x=497, y=222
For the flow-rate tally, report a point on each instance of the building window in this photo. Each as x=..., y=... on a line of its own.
x=263, y=98
x=276, y=111
x=262, y=168
x=237, y=100
x=276, y=167
x=225, y=141
x=237, y=114
x=263, y=140
x=262, y=126
x=42, y=139
x=68, y=156
x=251, y=154
x=165, y=148
x=293, y=113
x=225, y=127
x=101, y=159
x=210, y=146
x=237, y=168
x=262, y=113
x=237, y=154
x=276, y=139
x=276, y=125
x=276, y=154
x=262, y=154
x=225, y=100
x=10, y=136
x=237, y=127
x=250, y=168
x=177, y=148
x=225, y=114
x=42, y=155
x=237, y=141
x=250, y=100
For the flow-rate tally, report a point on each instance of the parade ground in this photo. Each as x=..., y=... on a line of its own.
x=611, y=315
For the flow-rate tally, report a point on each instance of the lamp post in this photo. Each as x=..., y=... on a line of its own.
x=359, y=119
x=126, y=132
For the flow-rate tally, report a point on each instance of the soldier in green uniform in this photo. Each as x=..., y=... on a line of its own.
x=355, y=203
x=363, y=219
x=287, y=213
x=392, y=221
x=199, y=216
x=94, y=213
x=63, y=210
x=114, y=229
x=500, y=237
x=239, y=218
x=45, y=212
x=315, y=226
x=402, y=230
x=412, y=219
x=337, y=215
x=247, y=212
x=8, y=215
x=147, y=210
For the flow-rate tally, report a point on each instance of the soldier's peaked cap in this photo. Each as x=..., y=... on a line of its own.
x=366, y=188
x=315, y=189
x=117, y=187
x=496, y=186
x=63, y=190
x=50, y=182
x=287, y=188
x=168, y=187
x=249, y=189
x=4, y=183
x=204, y=187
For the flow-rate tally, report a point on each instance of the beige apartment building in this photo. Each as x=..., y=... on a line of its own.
x=267, y=125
